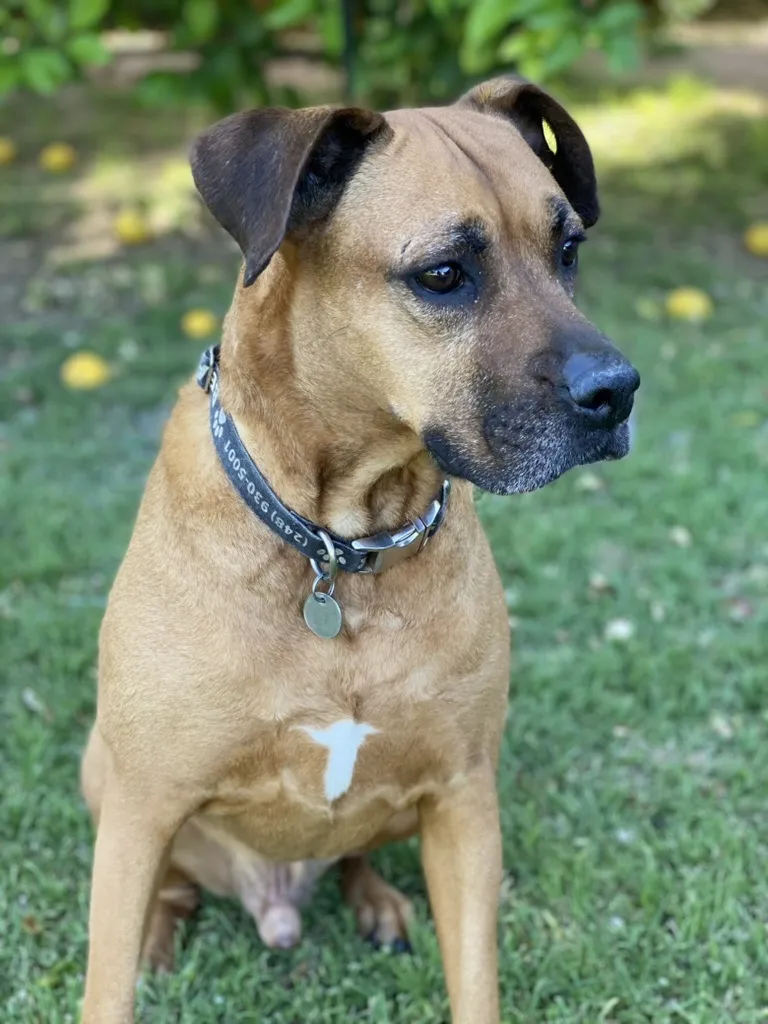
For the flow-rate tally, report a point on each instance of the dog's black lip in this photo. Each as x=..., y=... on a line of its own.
x=592, y=446
x=618, y=443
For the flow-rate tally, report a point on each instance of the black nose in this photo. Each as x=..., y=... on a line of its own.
x=602, y=385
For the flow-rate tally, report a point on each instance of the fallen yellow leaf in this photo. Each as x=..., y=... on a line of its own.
x=57, y=157
x=132, y=227
x=689, y=304
x=756, y=239
x=84, y=371
x=199, y=323
x=7, y=151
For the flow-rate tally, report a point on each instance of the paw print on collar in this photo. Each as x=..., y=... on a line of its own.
x=217, y=422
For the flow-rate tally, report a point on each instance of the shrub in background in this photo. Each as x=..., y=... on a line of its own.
x=393, y=50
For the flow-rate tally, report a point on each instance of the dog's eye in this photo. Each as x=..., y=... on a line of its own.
x=442, y=279
x=569, y=253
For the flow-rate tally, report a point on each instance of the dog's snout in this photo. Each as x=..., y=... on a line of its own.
x=602, y=388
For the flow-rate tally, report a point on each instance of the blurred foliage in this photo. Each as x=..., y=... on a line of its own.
x=393, y=50
x=45, y=43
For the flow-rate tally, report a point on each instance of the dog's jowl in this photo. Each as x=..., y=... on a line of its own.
x=403, y=330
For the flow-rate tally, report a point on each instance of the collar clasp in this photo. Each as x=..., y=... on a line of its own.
x=389, y=548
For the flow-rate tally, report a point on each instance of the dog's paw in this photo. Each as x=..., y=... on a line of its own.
x=399, y=946
x=383, y=918
x=383, y=914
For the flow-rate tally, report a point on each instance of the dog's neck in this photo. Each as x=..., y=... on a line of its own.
x=352, y=468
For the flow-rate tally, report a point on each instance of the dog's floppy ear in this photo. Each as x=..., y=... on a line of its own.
x=265, y=172
x=529, y=108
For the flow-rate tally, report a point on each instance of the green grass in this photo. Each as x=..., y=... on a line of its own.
x=633, y=783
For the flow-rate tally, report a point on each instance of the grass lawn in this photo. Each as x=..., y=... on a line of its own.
x=634, y=784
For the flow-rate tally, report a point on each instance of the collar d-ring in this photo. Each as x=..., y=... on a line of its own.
x=325, y=574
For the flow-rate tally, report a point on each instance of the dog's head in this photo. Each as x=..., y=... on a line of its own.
x=432, y=258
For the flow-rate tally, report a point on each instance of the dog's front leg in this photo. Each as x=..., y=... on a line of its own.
x=132, y=842
x=461, y=851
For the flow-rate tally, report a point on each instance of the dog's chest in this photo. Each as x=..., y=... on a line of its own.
x=335, y=741
x=341, y=743
x=320, y=785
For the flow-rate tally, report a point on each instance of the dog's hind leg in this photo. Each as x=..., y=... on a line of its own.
x=177, y=899
x=383, y=914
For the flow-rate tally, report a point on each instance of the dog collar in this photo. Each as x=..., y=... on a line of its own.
x=324, y=549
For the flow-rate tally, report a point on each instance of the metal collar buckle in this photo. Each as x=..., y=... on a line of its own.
x=207, y=368
x=389, y=548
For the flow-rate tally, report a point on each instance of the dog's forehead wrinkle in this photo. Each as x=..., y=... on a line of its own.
x=424, y=129
x=483, y=159
x=454, y=143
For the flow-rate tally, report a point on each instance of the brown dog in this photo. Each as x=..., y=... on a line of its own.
x=410, y=318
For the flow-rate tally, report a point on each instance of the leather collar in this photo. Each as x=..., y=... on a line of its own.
x=366, y=554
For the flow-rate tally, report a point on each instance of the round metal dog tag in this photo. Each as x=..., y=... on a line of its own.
x=322, y=613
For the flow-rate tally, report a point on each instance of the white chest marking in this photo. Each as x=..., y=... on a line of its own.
x=343, y=740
